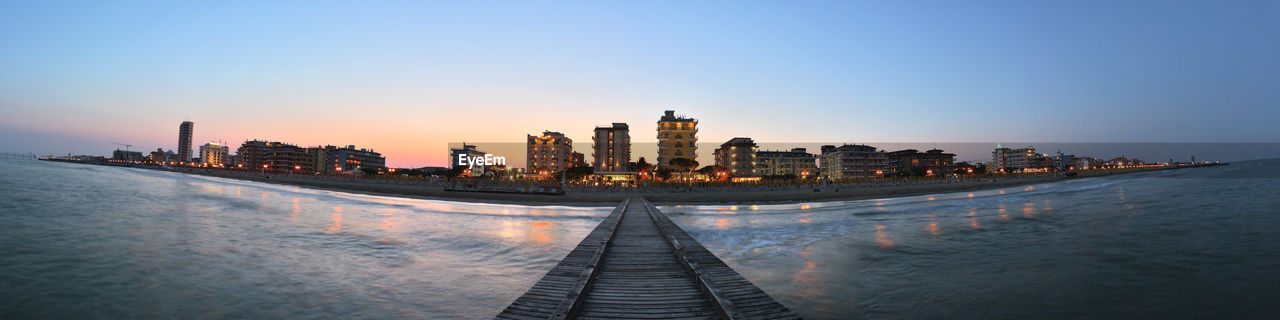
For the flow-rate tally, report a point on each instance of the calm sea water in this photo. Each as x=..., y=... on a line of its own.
x=99, y=242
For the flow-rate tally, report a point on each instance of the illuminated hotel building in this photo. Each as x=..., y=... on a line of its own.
x=274, y=156
x=184, y=140
x=677, y=138
x=550, y=152
x=1012, y=159
x=611, y=148
x=797, y=162
x=213, y=154
x=852, y=161
x=738, y=156
x=912, y=162
x=332, y=159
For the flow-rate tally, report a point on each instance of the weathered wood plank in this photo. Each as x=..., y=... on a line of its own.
x=637, y=264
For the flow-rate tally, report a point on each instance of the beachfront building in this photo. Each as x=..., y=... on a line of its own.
x=213, y=154
x=126, y=156
x=471, y=152
x=274, y=156
x=548, y=153
x=611, y=148
x=911, y=162
x=677, y=138
x=158, y=156
x=738, y=156
x=1063, y=162
x=1012, y=160
x=798, y=162
x=852, y=161
x=185, y=130
x=333, y=159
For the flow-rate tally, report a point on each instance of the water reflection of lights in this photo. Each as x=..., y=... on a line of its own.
x=534, y=233
x=971, y=194
x=933, y=228
x=814, y=285
x=804, y=207
x=337, y=219
x=722, y=224
x=931, y=199
x=804, y=218
x=883, y=238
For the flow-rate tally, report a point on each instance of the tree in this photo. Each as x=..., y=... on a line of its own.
x=641, y=165
x=711, y=169
x=578, y=173
x=663, y=173
x=683, y=163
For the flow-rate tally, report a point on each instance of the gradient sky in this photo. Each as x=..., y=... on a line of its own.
x=406, y=78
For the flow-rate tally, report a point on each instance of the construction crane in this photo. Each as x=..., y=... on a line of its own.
x=126, y=145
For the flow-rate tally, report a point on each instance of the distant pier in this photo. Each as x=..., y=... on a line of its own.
x=637, y=264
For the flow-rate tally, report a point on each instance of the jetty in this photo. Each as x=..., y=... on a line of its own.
x=637, y=264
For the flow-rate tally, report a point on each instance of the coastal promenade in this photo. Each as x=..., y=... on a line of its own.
x=637, y=264
x=697, y=195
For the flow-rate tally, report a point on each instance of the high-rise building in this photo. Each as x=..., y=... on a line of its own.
x=611, y=148
x=911, y=162
x=274, y=156
x=184, y=141
x=332, y=159
x=852, y=161
x=213, y=154
x=550, y=152
x=677, y=138
x=738, y=156
x=1011, y=160
x=797, y=162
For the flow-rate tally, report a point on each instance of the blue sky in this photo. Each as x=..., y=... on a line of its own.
x=408, y=77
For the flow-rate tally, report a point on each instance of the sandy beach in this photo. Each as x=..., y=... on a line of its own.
x=695, y=196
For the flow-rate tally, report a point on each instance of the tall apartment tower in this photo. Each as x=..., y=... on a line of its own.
x=184, y=140
x=677, y=138
x=550, y=152
x=611, y=148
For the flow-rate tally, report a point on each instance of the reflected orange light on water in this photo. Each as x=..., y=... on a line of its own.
x=971, y=194
x=882, y=238
x=337, y=219
x=804, y=207
x=532, y=233
x=930, y=198
x=722, y=224
x=804, y=218
x=933, y=228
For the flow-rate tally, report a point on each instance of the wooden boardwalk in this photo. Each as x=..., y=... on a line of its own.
x=637, y=264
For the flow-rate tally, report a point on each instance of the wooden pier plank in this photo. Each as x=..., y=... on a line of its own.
x=637, y=264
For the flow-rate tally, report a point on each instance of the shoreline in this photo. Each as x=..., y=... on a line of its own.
x=714, y=196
